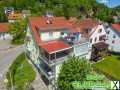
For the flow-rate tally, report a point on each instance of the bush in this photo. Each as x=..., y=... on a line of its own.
x=75, y=69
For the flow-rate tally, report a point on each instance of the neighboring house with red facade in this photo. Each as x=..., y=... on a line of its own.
x=4, y=31
x=50, y=40
x=113, y=37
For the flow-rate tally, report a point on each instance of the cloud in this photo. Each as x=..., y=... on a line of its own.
x=104, y=1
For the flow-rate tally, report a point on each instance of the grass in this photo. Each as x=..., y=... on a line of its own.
x=110, y=66
x=21, y=72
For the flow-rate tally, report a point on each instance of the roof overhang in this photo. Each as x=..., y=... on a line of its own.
x=55, y=46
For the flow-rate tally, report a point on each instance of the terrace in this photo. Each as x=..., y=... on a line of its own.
x=55, y=51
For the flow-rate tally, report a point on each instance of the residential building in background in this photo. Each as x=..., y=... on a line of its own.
x=26, y=13
x=113, y=37
x=9, y=10
x=4, y=31
x=14, y=17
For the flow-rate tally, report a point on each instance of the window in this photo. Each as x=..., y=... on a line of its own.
x=114, y=36
x=95, y=39
x=51, y=35
x=100, y=30
x=113, y=41
x=90, y=40
x=100, y=38
x=62, y=33
x=103, y=37
x=108, y=32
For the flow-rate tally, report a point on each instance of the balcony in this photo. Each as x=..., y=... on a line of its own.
x=57, y=57
x=46, y=70
x=74, y=39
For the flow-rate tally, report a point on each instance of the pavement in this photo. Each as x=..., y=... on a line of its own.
x=8, y=53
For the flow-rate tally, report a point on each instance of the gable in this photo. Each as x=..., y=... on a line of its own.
x=99, y=30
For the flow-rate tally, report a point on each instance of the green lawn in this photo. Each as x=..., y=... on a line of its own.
x=110, y=66
x=21, y=72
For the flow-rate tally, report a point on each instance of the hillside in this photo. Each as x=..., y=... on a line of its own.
x=67, y=8
x=117, y=8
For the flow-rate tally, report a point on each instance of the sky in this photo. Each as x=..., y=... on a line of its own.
x=110, y=3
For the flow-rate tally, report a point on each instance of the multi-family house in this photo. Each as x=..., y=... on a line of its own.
x=93, y=30
x=96, y=34
x=113, y=37
x=51, y=40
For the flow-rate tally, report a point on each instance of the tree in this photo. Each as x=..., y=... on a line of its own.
x=74, y=69
x=18, y=31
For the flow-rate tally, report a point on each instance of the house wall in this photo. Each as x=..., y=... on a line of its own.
x=96, y=34
x=32, y=47
x=5, y=36
x=46, y=36
x=113, y=36
x=11, y=21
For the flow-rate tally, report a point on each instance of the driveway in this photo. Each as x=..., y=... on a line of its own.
x=7, y=56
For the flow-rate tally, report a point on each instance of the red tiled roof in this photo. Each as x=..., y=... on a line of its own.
x=39, y=24
x=57, y=22
x=116, y=27
x=87, y=24
x=54, y=46
x=4, y=27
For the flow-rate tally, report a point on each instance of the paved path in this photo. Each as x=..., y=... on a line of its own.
x=7, y=55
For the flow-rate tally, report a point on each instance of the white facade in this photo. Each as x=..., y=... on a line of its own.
x=11, y=21
x=5, y=36
x=96, y=33
x=47, y=36
x=113, y=39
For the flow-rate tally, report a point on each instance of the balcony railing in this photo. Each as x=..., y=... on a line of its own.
x=46, y=70
x=59, y=59
x=73, y=41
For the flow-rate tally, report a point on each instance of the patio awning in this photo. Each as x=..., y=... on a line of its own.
x=101, y=45
x=55, y=46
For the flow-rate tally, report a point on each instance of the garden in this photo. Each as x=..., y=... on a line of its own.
x=110, y=66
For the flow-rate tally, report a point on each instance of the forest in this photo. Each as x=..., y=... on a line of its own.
x=67, y=8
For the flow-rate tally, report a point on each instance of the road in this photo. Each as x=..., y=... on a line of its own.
x=8, y=53
x=7, y=56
